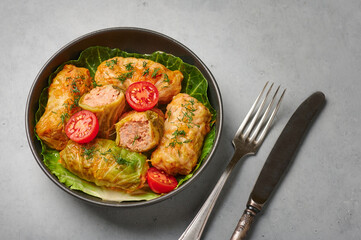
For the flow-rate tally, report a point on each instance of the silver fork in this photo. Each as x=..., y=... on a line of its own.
x=246, y=141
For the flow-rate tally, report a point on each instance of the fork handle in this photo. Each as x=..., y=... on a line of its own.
x=195, y=229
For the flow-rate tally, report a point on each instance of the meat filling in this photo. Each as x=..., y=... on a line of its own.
x=101, y=96
x=135, y=135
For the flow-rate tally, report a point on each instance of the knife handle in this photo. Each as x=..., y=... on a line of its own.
x=245, y=223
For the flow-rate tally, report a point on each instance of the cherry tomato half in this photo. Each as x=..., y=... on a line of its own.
x=159, y=181
x=142, y=96
x=82, y=127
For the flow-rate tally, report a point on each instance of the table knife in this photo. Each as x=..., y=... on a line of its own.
x=279, y=160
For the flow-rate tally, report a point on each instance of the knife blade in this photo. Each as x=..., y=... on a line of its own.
x=279, y=160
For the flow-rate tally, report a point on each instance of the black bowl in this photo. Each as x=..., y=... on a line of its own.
x=132, y=40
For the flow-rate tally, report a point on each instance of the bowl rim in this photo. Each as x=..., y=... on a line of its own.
x=97, y=201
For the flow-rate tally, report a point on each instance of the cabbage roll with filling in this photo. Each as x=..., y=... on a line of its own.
x=140, y=131
x=63, y=96
x=105, y=164
x=122, y=72
x=107, y=103
x=187, y=123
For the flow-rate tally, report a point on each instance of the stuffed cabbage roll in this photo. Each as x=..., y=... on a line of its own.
x=122, y=72
x=140, y=131
x=187, y=123
x=107, y=103
x=105, y=164
x=63, y=96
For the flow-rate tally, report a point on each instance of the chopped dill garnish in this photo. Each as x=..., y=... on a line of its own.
x=135, y=139
x=155, y=71
x=111, y=63
x=144, y=64
x=179, y=133
x=188, y=113
x=124, y=76
x=166, y=78
x=75, y=103
x=80, y=77
x=74, y=87
x=120, y=160
x=88, y=152
x=95, y=84
x=63, y=117
x=175, y=134
x=66, y=105
x=146, y=72
x=106, y=153
x=129, y=66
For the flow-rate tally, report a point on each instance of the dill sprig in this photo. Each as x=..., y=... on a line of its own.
x=124, y=76
x=111, y=63
x=88, y=153
x=174, y=139
x=155, y=71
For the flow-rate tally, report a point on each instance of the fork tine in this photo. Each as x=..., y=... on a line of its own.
x=245, y=121
x=270, y=120
x=265, y=114
x=255, y=117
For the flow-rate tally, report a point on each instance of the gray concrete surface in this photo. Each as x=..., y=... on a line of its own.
x=303, y=45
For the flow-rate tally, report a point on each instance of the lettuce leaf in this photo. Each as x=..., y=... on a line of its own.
x=193, y=84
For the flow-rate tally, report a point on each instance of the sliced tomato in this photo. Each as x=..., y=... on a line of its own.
x=142, y=96
x=159, y=181
x=82, y=127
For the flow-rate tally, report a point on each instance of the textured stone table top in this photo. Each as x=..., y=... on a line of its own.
x=305, y=46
